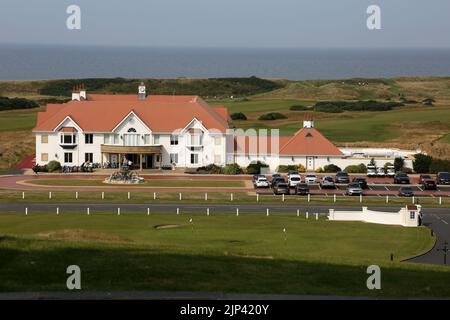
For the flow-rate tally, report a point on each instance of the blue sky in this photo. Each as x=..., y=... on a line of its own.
x=228, y=23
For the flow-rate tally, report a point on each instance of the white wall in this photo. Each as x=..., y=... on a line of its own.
x=401, y=218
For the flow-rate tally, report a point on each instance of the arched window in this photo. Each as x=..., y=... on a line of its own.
x=132, y=130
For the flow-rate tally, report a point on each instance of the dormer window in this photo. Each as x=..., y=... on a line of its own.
x=68, y=136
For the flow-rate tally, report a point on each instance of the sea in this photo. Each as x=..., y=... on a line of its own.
x=33, y=62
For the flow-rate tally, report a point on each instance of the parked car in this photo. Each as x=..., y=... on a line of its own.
x=380, y=172
x=405, y=192
x=302, y=189
x=342, y=177
x=401, y=178
x=327, y=183
x=276, y=181
x=310, y=178
x=371, y=171
x=256, y=176
x=390, y=171
x=429, y=184
x=423, y=177
x=292, y=172
x=294, y=179
x=281, y=188
x=354, y=189
x=361, y=181
x=262, y=182
x=276, y=176
x=443, y=178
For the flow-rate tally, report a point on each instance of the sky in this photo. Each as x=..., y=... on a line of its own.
x=228, y=23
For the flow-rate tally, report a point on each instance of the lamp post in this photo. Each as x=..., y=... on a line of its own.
x=445, y=249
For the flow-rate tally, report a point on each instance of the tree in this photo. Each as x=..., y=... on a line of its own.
x=422, y=163
x=372, y=162
x=399, y=163
x=255, y=168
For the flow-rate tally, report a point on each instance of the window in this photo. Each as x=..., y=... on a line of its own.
x=107, y=139
x=156, y=139
x=174, y=158
x=217, y=141
x=88, y=138
x=196, y=140
x=68, y=138
x=217, y=158
x=412, y=215
x=89, y=157
x=44, y=156
x=115, y=139
x=132, y=130
x=194, y=158
x=174, y=140
x=68, y=157
x=44, y=139
x=158, y=158
x=146, y=139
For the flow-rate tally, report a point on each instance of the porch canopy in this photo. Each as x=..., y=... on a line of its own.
x=123, y=150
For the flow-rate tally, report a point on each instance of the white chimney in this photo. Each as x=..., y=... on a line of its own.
x=308, y=124
x=142, y=91
x=83, y=92
x=75, y=94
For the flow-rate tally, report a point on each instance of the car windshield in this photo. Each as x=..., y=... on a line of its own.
x=353, y=185
x=407, y=189
x=342, y=174
x=310, y=176
x=402, y=175
x=426, y=176
x=329, y=179
x=295, y=179
x=282, y=185
x=262, y=179
x=445, y=175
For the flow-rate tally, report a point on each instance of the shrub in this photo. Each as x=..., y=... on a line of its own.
x=255, y=168
x=357, y=168
x=421, y=163
x=211, y=169
x=16, y=103
x=287, y=168
x=439, y=165
x=54, y=166
x=341, y=106
x=272, y=116
x=238, y=116
x=399, y=163
x=386, y=165
x=298, y=107
x=232, y=169
x=330, y=168
x=301, y=168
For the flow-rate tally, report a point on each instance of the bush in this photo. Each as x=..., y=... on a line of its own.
x=386, y=165
x=357, y=168
x=298, y=107
x=232, y=169
x=272, y=116
x=255, y=168
x=287, y=168
x=439, y=165
x=301, y=168
x=341, y=106
x=238, y=116
x=211, y=169
x=421, y=163
x=399, y=163
x=16, y=103
x=331, y=168
x=54, y=166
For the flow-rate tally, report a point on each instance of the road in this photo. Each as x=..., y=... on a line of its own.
x=437, y=219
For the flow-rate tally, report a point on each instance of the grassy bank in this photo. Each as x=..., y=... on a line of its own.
x=249, y=253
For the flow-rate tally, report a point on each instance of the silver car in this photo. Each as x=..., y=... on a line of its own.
x=354, y=189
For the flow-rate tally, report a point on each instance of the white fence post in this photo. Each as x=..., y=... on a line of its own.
x=317, y=216
x=76, y=195
x=148, y=211
x=103, y=195
x=87, y=211
x=23, y=195
x=49, y=194
x=360, y=198
x=387, y=198
x=129, y=195
x=26, y=211
x=154, y=195
x=309, y=197
x=206, y=196
x=440, y=200
x=178, y=210
x=257, y=197
x=307, y=215
x=118, y=211
x=267, y=212
x=57, y=211
x=298, y=212
x=231, y=197
x=237, y=211
x=179, y=195
x=413, y=199
x=334, y=198
x=282, y=197
x=207, y=212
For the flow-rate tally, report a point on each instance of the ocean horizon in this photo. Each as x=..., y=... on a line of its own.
x=35, y=62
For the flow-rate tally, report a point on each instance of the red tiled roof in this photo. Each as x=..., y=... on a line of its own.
x=68, y=129
x=102, y=113
x=223, y=112
x=306, y=141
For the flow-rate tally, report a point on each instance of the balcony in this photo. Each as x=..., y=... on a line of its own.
x=130, y=149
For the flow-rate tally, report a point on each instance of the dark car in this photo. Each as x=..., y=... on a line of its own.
x=342, y=177
x=281, y=188
x=401, y=178
x=429, y=184
x=405, y=192
x=276, y=176
x=443, y=178
x=277, y=181
x=361, y=181
x=327, y=183
x=423, y=177
x=302, y=188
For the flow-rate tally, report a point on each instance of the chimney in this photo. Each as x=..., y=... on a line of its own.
x=83, y=92
x=141, y=91
x=75, y=94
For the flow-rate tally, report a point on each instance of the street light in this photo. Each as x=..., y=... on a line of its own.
x=445, y=249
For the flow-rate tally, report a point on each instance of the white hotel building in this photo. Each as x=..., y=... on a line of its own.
x=157, y=131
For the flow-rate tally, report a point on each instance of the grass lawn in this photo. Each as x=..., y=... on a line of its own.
x=247, y=254
x=18, y=120
x=146, y=183
x=266, y=105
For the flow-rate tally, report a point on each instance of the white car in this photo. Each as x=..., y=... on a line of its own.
x=294, y=179
x=371, y=171
x=380, y=172
x=390, y=171
x=310, y=178
x=261, y=182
